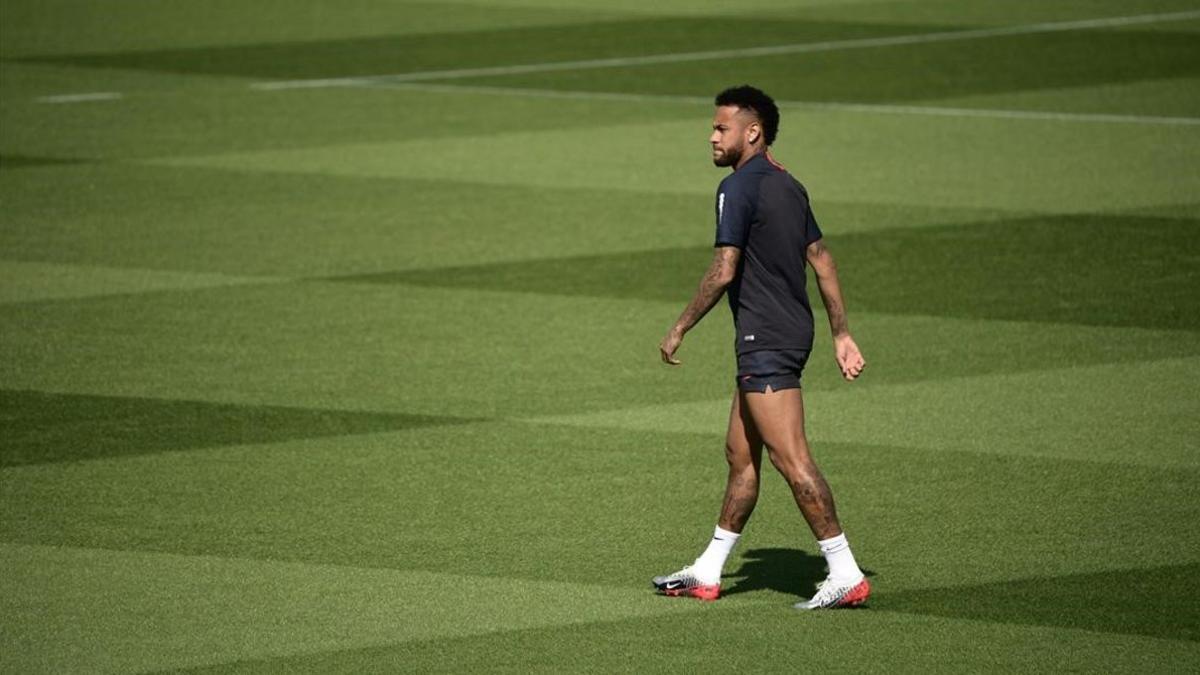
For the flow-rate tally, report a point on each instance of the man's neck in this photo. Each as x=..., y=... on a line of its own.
x=757, y=151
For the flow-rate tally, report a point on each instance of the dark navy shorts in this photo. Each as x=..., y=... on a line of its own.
x=777, y=369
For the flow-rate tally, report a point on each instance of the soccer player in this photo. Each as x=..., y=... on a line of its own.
x=766, y=234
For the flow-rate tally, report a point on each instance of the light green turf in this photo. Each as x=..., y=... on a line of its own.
x=718, y=642
x=146, y=611
x=250, y=223
x=355, y=346
x=227, y=609
x=27, y=281
x=1178, y=96
x=900, y=159
x=1143, y=413
x=164, y=116
x=383, y=346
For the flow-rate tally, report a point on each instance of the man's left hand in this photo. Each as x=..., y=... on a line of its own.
x=849, y=359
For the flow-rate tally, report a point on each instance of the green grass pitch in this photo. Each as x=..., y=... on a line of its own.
x=328, y=335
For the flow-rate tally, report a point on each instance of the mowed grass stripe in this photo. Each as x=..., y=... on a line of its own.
x=1128, y=413
x=42, y=427
x=22, y=281
x=755, y=51
x=385, y=55
x=908, y=74
x=382, y=224
x=12, y=162
x=168, y=115
x=34, y=28
x=359, y=225
x=720, y=642
x=1071, y=602
x=432, y=351
x=504, y=500
x=1007, y=269
x=400, y=500
x=1024, y=165
x=885, y=109
x=72, y=609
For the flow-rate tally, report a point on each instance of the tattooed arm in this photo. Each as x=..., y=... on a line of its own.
x=849, y=358
x=720, y=273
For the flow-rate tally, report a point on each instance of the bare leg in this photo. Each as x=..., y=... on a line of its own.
x=778, y=416
x=743, y=452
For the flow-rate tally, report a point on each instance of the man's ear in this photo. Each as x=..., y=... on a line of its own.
x=753, y=132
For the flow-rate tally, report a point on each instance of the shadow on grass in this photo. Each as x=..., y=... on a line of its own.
x=1163, y=602
x=784, y=570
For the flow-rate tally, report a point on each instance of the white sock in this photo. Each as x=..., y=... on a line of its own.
x=839, y=558
x=708, y=566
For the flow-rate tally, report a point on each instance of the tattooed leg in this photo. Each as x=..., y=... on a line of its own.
x=813, y=496
x=779, y=417
x=741, y=495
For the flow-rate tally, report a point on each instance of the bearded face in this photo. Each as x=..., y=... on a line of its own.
x=728, y=138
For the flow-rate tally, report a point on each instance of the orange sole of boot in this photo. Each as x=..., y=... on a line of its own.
x=707, y=593
x=857, y=595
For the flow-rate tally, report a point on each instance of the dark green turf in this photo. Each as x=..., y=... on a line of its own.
x=539, y=44
x=1090, y=269
x=667, y=274
x=1155, y=601
x=250, y=223
x=1120, y=270
x=990, y=65
x=375, y=226
x=12, y=162
x=917, y=71
x=42, y=427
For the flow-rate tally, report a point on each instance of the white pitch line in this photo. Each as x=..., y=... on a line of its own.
x=749, y=52
x=802, y=105
x=81, y=98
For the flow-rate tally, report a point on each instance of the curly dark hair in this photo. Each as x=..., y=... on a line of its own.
x=746, y=97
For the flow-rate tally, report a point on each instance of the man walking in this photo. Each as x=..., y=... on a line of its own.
x=766, y=234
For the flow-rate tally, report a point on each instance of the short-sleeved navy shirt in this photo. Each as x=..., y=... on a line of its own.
x=764, y=211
